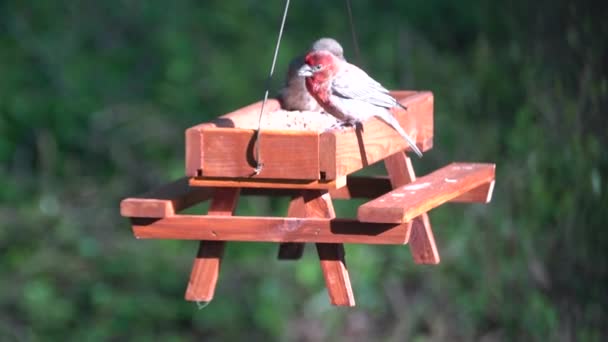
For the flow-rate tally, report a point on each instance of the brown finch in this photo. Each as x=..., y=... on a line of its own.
x=294, y=95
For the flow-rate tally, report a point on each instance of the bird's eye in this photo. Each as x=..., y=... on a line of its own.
x=317, y=67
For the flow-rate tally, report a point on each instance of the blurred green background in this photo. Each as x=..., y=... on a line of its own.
x=94, y=100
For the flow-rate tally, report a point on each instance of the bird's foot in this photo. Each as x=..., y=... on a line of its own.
x=338, y=125
x=346, y=124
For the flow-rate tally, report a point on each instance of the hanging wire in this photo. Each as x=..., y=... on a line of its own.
x=259, y=164
x=353, y=33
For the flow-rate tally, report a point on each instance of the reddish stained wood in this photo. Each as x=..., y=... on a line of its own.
x=426, y=193
x=268, y=183
x=206, y=266
x=331, y=255
x=288, y=154
x=337, y=280
x=269, y=229
x=401, y=94
x=422, y=242
x=237, y=118
x=344, y=151
x=175, y=196
x=401, y=172
x=400, y=169
x=422, y=102
x=194, y=149
x=481, y=194
x=205, y=271
x=164, y=201
x=328, y=155
x=293, y=250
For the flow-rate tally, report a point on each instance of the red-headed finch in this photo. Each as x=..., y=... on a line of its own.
x=348, y=93
x=294, y=95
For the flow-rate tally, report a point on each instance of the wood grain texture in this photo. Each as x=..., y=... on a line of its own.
x=364, y=187
x=164, y=201
x=400, y=169
x=421, y=240
x=269, y=229
x=293, y=250
x=268, y=183
x=173, y=197
x=223, y=149
x=206, y=267
x=481, y=194
x=194, y=149
x=240, y=117
x=344, y=151
x=337, y=279
x=288, y=154
x=426, y=193
x=331, y=255
x=205, y=271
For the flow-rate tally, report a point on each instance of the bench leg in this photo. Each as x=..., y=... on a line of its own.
x=422, y=242
x=314, y=203
x=206, y=267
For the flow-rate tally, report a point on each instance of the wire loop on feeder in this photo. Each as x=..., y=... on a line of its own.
x=258, y=159
x=259, y=164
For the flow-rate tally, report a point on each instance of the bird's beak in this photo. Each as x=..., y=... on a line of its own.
x=305, y=71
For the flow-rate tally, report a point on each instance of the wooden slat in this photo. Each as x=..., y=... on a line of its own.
x=194, y=149
x=369, y=187
x=269, y=229
x=481, y=194
x=206, y=267
x=224, y=148
x=205, y=271
x=164, y=201
x=421, y=240
x=337, y=280
x=176, y=196
x=400, y=169
x=238, y=118
x=344, y=151
x=331, y=255
x=426, y=193
x=287, y=154
x=293, y=250
x=269, y=183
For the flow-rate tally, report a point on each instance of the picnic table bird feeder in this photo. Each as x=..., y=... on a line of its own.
x=313, y=166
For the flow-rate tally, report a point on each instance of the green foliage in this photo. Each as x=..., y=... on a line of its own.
x=94, y=100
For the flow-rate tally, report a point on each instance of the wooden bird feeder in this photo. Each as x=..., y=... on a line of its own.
x=312, y=165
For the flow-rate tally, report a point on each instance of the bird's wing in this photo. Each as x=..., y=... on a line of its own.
x=354, y=83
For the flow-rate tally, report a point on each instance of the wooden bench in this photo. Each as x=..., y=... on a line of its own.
x=311, y=168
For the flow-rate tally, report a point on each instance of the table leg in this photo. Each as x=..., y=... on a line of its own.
x=293, y=250
x=206, y=267
x=331, y=255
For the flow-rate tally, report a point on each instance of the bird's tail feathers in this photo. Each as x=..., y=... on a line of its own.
x=392, y=121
